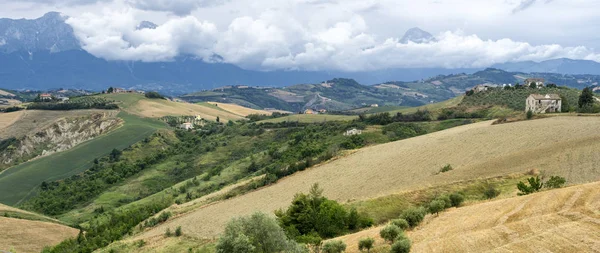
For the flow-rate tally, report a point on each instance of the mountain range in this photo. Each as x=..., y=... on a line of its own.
x=44, y=53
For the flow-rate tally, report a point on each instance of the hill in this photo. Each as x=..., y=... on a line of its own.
x=478, y=150
x=562, y=220
x=24, y=231
x=515, y=99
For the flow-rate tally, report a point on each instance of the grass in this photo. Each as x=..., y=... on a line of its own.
x=567, y=147
x=310, y=118
x=19, y=235
x=431, y=107
x=19, y=182
x=515, y=99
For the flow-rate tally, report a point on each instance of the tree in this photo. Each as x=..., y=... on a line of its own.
x=457, y=199
x=256, y=233
x=218, y=119
x=565, y=106
x=178, y=231
x=535, y=185
x=366, y=244
x=555, y=182
x=110, y=90
x=414, y=215
x=436, y=206
x=529, y=114
x=586, y=99
x=401, y=223
x=490, y=192
x=390, y=232
x=533, y=85
x=153, y=95
x=401, y=246
x=334, y=247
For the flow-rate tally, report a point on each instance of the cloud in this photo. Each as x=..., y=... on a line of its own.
x=525, y=4
x=114, y=36
x=177, y=7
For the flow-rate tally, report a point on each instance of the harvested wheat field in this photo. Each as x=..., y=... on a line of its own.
x=565, y=146
x=7, y=119
x=239, y=110
x=159, y=108
x=563, y=220
x=31, y=236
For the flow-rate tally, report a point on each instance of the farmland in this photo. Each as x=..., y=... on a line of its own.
x=238, y=109
x=20, y=182
x=562, y=220
x=7, y=119
x=310, y=118
x=31, y=236
x=478, y=150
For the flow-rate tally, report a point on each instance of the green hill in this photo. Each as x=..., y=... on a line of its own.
x=515, y=99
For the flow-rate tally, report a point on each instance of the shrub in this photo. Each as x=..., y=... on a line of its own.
x=366, y=244
x=414, y=215
x=446, y=200
x=555, y=182
x=529, y=114
x=586, y=98
x=401, y=246
x=390, y=232
x=446, y=168
x=457, y=199
x=401, y=223
x=490, y=192
x=256, y=233
x=534, y=184
x=154, y=94
x=436, y=206
x=178, y=231
x=334, y=247
x=168, y=233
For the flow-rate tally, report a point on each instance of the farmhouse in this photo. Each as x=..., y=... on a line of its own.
x=309, y=111
x=483, y=87
x=322, y=111
x=186, y=126
x=45, y=96
x=353, y=131
x=374, y=105
x=549, y=103
x=539, y=82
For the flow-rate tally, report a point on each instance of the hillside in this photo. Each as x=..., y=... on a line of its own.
x=515, y=99
x=562, y=220
x=24, y=231
x=475, y=151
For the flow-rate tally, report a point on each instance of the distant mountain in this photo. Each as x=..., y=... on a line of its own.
x=146, y=25
x=562, y=65
x=47, y=33
x=417, y=35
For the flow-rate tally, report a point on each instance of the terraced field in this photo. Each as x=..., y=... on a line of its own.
x=565, y=146
x=19, y=182
x=238, y=109
x=563, y=220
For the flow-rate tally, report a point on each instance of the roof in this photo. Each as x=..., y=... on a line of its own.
x=545, y=97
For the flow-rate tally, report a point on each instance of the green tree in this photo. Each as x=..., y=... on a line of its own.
x=401, y=223
x=390, y=232
x=555, y=182
x=533, y=85
x=490, y=192
x=218, y=119
x=534, y=185
x=256, y=233
x=401, y=246
x=366, y=244
x=457, y=199
x=334, y=247
x=529, y=114
x=178, y=231
x=110, y=90
x=414, y=215
x=436, y=206
x=565, y=106
x=586, y=99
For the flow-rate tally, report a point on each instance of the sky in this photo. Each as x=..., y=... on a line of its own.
x=347, y=35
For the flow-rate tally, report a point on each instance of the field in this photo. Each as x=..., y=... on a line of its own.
x=157, y=108
x=19, y=182
x=563, y=220
x=431, y=107
x=565, y=146
x=19, y=235
x=7, y=119
x=310, y=118
x=238, y=109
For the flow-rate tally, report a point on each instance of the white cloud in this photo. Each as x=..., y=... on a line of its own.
x=114, y=36
x=345, y=35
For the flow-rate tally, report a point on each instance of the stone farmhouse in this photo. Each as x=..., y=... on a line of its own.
x=538, y=81
x=353, y=131
x=549, y=103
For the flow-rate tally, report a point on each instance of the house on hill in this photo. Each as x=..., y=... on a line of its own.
x=539, y=82
x=483, y=87
x=186, y=126
x=353, y=131
x=309, y=111
x=45, y=97
x=548, y=103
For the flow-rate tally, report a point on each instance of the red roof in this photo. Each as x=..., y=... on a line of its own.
x=45, y=95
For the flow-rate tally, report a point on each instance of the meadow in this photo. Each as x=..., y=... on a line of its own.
x=20, y=182
x=310, y=118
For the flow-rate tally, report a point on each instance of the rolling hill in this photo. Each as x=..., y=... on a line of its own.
x=24, y=231
x=478, y=150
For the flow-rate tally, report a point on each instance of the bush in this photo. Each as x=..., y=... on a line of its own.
x=414, y=215
x=436, y=206
x=555, y=182
x=178, y=231
x=168, y=233
x=534, y=184
x=457, y=199
x=401, y=223
x=154, y=95
x=366, y=244
x=334, y=247
x=490, y=192
x=401, y=246
x=446, y=168
x=256, y=233
x=529, y=114
x=390, y=232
